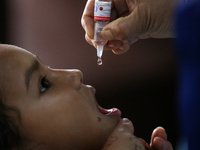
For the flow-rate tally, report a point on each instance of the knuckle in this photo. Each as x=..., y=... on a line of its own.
x=82, y=22
x=118, y=33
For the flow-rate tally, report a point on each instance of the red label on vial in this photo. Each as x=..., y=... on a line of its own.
x=101, y=18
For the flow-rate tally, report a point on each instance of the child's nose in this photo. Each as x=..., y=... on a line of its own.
x=76, y=77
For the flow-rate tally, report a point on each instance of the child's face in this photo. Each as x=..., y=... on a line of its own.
x=56, y=110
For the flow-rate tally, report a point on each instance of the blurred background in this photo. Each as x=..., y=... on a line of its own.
x=141, y=82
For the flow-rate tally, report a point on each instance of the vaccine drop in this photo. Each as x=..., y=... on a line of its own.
x=99, y=61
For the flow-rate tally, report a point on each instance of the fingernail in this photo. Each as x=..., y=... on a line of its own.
x=93, y=43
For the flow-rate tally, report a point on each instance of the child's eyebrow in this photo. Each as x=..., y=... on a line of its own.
x=28, y=74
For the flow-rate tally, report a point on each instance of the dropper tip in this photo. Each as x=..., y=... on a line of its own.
x=100, y=50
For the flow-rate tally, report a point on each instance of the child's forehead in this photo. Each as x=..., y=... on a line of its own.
x=7, y=48
x=13, y=64
x=12, y=52
x=13, y=59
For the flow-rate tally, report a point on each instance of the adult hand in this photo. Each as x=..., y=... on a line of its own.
x=131, y=20
x=122, y=138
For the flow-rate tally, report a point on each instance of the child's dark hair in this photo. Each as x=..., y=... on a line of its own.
x=9, y=139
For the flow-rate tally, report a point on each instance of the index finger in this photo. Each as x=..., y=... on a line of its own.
x=87, y=19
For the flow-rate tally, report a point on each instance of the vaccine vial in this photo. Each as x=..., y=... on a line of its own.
x=102, y=10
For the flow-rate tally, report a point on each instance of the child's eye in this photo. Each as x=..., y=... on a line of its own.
x=44, y=85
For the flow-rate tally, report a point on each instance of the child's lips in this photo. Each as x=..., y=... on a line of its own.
x=108, y=112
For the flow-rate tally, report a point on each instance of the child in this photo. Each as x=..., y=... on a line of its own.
x=49, y=109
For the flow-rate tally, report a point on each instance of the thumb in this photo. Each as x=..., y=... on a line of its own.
x=123, y=29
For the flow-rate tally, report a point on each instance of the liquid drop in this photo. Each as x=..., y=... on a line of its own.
x=99, y=61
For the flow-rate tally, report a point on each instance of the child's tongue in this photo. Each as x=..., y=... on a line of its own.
x=106, y=111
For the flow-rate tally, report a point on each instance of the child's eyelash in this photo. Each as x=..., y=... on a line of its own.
x=44, y=84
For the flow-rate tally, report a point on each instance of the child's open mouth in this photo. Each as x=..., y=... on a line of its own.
x=108, y=112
